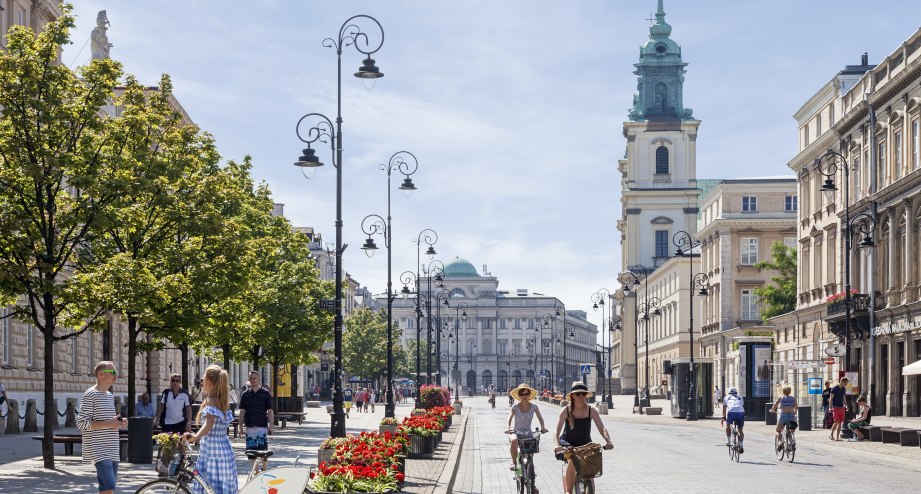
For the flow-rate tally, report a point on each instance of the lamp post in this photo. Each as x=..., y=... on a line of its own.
x=547, y=322
x=613, y=323
x=441, y=299
x=651, y=304
x=598, y=299
x=373, y=224
x=406, y=278
x=460, y=311
x=349, y=34
x=685, y=244
x=433, y=269
x=828, y=166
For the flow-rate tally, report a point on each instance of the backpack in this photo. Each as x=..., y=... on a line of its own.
x=163, y=401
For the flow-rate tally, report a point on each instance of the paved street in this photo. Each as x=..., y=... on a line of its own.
x=662, y=454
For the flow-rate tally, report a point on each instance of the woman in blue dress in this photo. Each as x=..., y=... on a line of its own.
x=216, y=461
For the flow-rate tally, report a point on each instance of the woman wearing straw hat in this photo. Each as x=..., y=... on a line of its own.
x=575, y=423
x=523, y=412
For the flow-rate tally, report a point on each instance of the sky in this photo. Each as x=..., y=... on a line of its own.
x=514, y=109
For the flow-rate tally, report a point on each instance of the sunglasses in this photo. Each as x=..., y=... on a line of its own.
x=580, y=393
x=110, y=371
x=524, y=393
x=175, y=380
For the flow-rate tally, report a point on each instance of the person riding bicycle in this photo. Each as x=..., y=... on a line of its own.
x=523, y=412
x=574, y=428
x=734, y=412
x=788, y=410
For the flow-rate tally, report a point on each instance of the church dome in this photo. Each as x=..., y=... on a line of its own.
x=459, y=267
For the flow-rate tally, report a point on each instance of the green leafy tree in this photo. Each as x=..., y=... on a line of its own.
x=780, y=296
x=63, y=165
x=364, y=344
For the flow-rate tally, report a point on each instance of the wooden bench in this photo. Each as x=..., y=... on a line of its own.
x=876, y=433
x=909, y=437
x=892, y=434
x=299, y=416
x=68, y=440
x=869, y=431
x=653, y=410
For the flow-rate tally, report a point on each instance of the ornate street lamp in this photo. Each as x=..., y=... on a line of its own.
x=686, y=244
x=460, y=314
x=828, y=165
x=407, y=164
x=651, y=305
x=349, y=34
x=598, y=300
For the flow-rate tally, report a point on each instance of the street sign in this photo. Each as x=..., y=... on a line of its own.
x=830, y=361
x=815, y=385
x=327, y=305
x=585, y=369
x=835, y=350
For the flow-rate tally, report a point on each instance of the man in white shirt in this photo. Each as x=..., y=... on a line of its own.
x=734, y=412
x=174, y=408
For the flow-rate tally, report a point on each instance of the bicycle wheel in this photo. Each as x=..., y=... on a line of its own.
x=162, y=486
x=791, y=445
x=735, y=447
x=588, y=486
x=779, y=448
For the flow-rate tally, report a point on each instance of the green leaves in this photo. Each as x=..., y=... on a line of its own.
x=779, y=297
x=364, y=343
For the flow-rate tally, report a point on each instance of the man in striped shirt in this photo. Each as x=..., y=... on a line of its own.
x=99, y=423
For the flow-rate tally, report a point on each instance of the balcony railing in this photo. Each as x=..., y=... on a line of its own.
x=860, y=302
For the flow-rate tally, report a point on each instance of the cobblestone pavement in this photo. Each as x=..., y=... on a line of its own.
x=663, y=454
x=21, y=464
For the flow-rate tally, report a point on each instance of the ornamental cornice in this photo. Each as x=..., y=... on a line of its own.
x=725, y=226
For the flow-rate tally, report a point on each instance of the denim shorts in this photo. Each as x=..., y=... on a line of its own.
x=786, y=417
x=106, y=472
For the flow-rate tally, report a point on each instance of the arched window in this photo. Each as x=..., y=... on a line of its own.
x=661, y=160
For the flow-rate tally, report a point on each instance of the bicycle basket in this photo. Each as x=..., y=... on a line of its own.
x=586, y=459
x=528, y=444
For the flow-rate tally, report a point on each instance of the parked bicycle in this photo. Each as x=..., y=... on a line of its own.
x=786, y=445
x=587, y=463
x=182, y=475
x=735, y=452
x=528, y=444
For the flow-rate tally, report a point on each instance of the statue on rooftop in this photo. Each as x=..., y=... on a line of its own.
x=99, y=40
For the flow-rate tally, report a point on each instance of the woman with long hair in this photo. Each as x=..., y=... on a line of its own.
x=575, y=423
x=216, y=462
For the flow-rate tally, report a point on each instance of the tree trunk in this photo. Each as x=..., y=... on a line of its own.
x=225, y=350
x=255, y=358
x=184, y=351
x=275, y=385
x=132, y=362
x=50, y=410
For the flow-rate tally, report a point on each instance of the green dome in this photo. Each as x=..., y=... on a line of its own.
x=459, y=267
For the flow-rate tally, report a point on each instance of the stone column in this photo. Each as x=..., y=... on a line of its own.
x=892, y=398
x=893, y=253
x=31, y=424
x=12, y=418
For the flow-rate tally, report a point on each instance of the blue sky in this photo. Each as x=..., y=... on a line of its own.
x=514, y=109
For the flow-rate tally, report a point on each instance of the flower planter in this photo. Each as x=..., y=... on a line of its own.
x=421, y=446
x=387, y=428
x=311, y=490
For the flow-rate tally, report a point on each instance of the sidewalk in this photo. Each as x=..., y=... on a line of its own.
x=21, y=463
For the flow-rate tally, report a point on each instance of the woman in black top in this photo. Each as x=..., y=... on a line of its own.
x=574, y=428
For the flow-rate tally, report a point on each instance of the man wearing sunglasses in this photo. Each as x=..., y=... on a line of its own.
x=174, y=408
x=99, y=423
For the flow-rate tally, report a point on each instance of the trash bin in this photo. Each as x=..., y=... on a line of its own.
x=140, y=440
x=770, y=418
x=804, y=418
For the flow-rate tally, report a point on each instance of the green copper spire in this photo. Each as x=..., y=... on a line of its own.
x=661, y=76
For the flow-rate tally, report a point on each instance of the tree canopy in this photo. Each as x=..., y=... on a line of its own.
x=779, y=297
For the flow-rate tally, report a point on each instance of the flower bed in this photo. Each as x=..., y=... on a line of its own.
x=369, y=462
x=434, y=396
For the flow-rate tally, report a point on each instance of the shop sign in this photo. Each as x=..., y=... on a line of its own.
x=899, y=327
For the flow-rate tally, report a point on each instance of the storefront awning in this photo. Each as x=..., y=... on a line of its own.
x=912, y=369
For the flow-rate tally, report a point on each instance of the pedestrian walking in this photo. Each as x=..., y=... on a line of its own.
x=216, y=461
x=347, y=396
x=99, y=425
x=360, y=399
x=372, y=399
x=174, y=408
x=838, y=394
x=717, y=397
x=257, y=417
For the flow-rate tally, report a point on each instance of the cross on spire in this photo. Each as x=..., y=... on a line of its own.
x=651, y=18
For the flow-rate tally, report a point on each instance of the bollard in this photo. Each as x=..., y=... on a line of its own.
x=70, y=415
x=56, y=424
x=31, y=423
x=12, y=425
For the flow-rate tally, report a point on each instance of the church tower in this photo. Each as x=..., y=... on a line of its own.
x=658, y=172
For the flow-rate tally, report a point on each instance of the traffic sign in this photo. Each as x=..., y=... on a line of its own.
x=327, y=305
x=835, y=350
x=815, y=385
x=830, y=360
x=585, y=369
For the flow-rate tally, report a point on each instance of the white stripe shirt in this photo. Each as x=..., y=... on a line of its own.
x=99, y=444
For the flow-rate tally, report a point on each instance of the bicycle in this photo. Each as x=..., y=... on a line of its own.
x=585, y=484
x=786, y=445
x=735, y=452
x=284, y=480
x=528, y=444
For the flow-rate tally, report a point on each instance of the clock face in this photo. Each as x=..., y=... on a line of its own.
x=660, y=49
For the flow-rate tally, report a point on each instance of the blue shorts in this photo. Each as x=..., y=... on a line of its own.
x=737, y=417
x=256, y=438
x=106, y=472
x=786, y=417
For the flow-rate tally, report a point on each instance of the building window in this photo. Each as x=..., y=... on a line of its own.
x=7, y=348
x=409, y=323
x=749, y=251
x=818, y=125
x=749, y=204
x=661, y=243
x=831, y=115
x=897, y=156
x=915, y=144
x=30, y=345
x=661, y=160
x=530, y=323
x=503, y=347
x=502, y=324
x=487, y=323
x=790, y=204
x=790, y=242
x=749, y=305
x=881, y=162
x=516, y=323
x=806, y=135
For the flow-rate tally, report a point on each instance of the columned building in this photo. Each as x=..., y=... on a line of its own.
x=507, y=337
x=658, y=176
x=870, y=114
